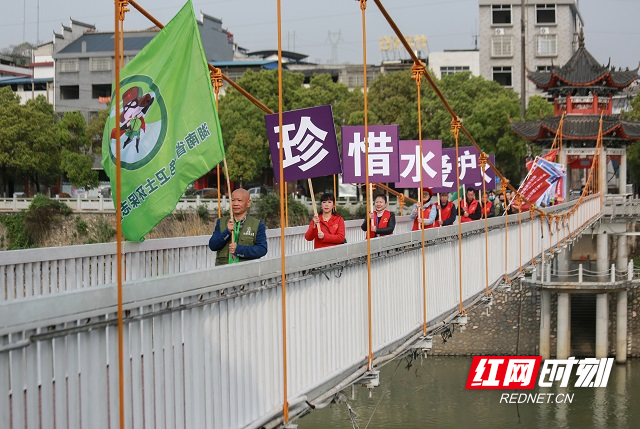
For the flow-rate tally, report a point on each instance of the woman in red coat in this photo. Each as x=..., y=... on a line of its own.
x=331, y=231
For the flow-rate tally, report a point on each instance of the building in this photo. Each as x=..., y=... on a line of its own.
x=582, y=91
x=84, y=60
x=550, y=33
x=454, y=61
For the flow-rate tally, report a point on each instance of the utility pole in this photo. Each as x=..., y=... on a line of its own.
x=523, y=63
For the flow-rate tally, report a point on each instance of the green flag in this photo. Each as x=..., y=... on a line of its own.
x=169, y=129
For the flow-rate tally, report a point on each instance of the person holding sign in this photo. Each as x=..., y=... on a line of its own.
x=428, y=212
x=384, y=221
x=446, y=211
x=327, y=228
x=244, y=237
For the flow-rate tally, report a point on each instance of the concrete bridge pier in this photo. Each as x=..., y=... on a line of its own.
x=602, y=325
x=545, y=324
x=602, y=250
x=621, y=327
x=622, y=260
x=563, y=345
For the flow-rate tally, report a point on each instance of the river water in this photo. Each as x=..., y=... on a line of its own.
x=431, y=393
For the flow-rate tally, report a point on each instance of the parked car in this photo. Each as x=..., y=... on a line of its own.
x=258, y=191
x=206, y=192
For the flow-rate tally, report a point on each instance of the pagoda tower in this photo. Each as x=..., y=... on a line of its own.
x=582, y=90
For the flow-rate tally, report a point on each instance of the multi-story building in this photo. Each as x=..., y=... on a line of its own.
x=84, y=61
x=550, y=33
x=454, y=61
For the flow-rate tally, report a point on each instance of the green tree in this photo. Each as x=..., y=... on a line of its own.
x=95, y=128
x=37, y=152
x=10, y=121
x=538, y=109
x=245, y=157
x=77, y=157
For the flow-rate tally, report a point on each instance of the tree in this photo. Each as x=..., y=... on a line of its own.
x=10, y=119
x=95, y=129
x=77, y=157
x=538, y=109
x=37, y=152
x=245, y=157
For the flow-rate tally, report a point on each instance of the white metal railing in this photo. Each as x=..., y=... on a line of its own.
x=621, y=206
x=34, y=272
x=203, y=348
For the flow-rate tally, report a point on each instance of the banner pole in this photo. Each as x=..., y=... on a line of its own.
x=313, y=201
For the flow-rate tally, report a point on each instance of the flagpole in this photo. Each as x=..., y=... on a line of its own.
x=120, y=10
x=439, y=208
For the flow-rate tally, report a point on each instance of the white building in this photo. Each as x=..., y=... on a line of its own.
x=550, y=32
x=454, y=61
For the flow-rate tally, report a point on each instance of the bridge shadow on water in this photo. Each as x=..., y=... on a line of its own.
x=431, y=394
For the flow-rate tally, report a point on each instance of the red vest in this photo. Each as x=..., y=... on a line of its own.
x=445, y=212
x=384, y=221
x=486, y=209
x=471, y=208
x=425, y=215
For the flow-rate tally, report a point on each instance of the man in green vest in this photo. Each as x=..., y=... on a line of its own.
x=249, y=234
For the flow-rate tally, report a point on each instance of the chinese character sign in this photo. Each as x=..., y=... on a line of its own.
x=410, y=161
x=309, y=144
x=470, y=170
x=383, y=154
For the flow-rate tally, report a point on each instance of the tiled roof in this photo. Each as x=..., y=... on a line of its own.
x=578, y=127
x=583, y=69
x=103, y=42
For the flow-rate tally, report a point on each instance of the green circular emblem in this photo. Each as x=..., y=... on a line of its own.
x=141, y=122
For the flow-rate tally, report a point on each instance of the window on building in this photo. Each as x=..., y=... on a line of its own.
x=547, y=45
x=545, y=14
x=103, y=90
x=501, y=46
x=100, y=64
x=501, y=14
x=543, y=68
x=444, y=70
x=502, y=75
x=70, y=92
x=68, y=65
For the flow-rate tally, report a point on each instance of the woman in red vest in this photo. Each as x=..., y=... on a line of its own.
x=331, y=225
x=447, y=211
x=428, y=211
x=486, y=206
x=384, y=221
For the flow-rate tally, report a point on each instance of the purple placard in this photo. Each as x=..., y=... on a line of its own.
x=470, y=171
x=431, y=163
x=310, y=147
x=383, y=154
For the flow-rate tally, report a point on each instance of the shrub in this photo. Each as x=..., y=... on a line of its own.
x=103, y=231
x=203, y=213
x=268, y=211
x=17, y=237
x=43, y=212
x=81, y=226
x=344, y=212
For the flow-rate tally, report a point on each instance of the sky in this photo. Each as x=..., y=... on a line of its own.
x=314, y=27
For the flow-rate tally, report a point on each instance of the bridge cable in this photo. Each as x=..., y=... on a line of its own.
x=283, y=196
x=363, y=8
x=485, y=212
x=456, y=124
x=382, y=395
x=417, y=71
x=118, y=40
